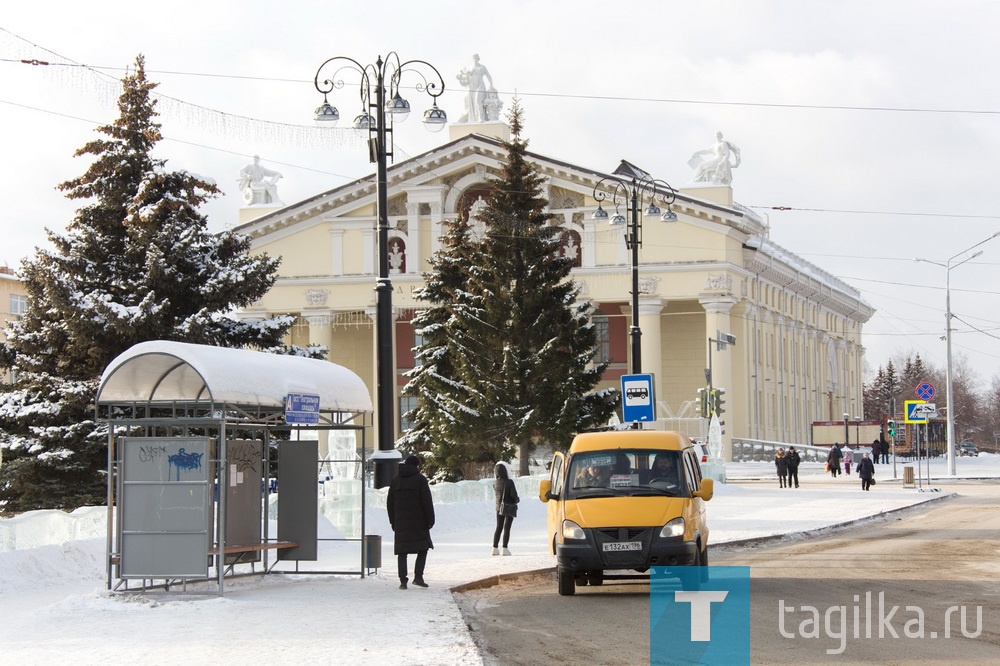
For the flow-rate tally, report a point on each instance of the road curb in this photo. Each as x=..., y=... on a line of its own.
x=757, y=541
x=491, y=581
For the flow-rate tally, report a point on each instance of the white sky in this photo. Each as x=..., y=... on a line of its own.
x=47, y=582
x=645, y=81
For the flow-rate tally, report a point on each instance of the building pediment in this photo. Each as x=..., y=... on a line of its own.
x=470, y=158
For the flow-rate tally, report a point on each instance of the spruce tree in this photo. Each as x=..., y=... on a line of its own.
x=136, y=263
x=519, y=343
x=440, y=395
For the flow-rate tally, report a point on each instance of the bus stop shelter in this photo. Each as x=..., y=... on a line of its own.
x=191, y=433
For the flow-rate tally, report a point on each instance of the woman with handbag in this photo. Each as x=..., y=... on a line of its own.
x=506, y=506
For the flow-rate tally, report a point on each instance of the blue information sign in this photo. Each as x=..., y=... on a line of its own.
x=301, y=408
x=638, y=401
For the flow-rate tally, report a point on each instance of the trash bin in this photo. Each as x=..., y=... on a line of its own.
x=908, y=476
x=372, y=552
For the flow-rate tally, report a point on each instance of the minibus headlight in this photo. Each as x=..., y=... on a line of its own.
x=674, y=528
x=571, y=530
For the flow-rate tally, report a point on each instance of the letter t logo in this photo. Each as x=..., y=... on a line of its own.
x=701, y=611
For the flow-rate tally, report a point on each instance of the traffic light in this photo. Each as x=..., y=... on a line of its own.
x=703, y=403
x=892, y=428
x=719, y=401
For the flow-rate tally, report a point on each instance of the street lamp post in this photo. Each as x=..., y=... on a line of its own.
x=381, y=104
x=631, y=186
x=950, y=398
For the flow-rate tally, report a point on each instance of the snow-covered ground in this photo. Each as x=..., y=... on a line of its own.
x=55, y=607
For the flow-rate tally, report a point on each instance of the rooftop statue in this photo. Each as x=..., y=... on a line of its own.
x=259, y=184
x=482, y=104
x=712, y=165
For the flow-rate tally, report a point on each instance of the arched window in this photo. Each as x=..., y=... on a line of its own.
x=570, y=246
x=397, y=255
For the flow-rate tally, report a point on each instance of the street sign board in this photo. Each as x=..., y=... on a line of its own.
x=911, y=415
x=301, y=408
x=638, y=401
x=925, y=390
x=927, y=410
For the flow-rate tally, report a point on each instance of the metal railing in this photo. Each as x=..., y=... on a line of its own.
x=759, y=450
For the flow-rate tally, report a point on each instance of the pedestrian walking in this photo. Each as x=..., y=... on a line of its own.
x=506, y=505
x=792, y=460
x=781, y=464
x=411, y=516
x=848, y=459
x=834, y=458
x=866, y=470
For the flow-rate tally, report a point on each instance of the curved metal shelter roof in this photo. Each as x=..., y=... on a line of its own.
x=161, y=371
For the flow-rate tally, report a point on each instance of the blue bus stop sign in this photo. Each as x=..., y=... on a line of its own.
x=638, y=401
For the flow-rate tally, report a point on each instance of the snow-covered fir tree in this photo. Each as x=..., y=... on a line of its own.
x=136, y=263
x=518, y=344
x=441, y=396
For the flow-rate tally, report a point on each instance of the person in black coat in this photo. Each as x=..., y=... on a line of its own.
x=411, y=515
x=866, y=470
x=834, y=458
x=876, y=451
x=781, y=464
x=506, y=493
x=792, y=460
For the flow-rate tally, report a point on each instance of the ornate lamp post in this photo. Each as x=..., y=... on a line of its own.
x=632, y=186
x=949, y=398
x=381, y=105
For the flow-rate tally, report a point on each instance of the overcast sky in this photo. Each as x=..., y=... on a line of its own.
x=877, y=122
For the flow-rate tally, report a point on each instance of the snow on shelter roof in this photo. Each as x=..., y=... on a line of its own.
x=164, y=371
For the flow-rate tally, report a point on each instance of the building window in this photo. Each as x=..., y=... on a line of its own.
x=18, y=305
x=406, y=405
x=418, y=342
x=603, y=346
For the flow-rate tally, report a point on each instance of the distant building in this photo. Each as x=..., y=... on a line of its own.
x=13, y=303
x=797, y=357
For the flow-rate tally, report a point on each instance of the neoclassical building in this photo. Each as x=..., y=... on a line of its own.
x=798, y=354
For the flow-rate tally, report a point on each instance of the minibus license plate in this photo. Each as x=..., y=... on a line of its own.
x=622, y=545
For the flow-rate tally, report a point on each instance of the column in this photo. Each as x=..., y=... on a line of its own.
x=320, y=333
x=413, y=260
x=717, y=309
x=651, y=341
x=337, y=252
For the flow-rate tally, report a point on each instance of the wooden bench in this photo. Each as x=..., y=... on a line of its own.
x=240, y=548
x=254, y=547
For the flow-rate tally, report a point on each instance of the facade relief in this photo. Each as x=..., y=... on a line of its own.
x=719, y=282
x=316, y=296
x=648, y=285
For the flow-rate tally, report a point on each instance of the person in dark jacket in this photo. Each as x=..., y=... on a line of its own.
x=884, y=447
x=781, y=464
x=833, y=459
x=866, y=470
x=876, y=451
x=506, y=493
x=411, y=515
x=792, y=460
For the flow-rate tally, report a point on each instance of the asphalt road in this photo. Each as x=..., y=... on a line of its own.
x=922, y=562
